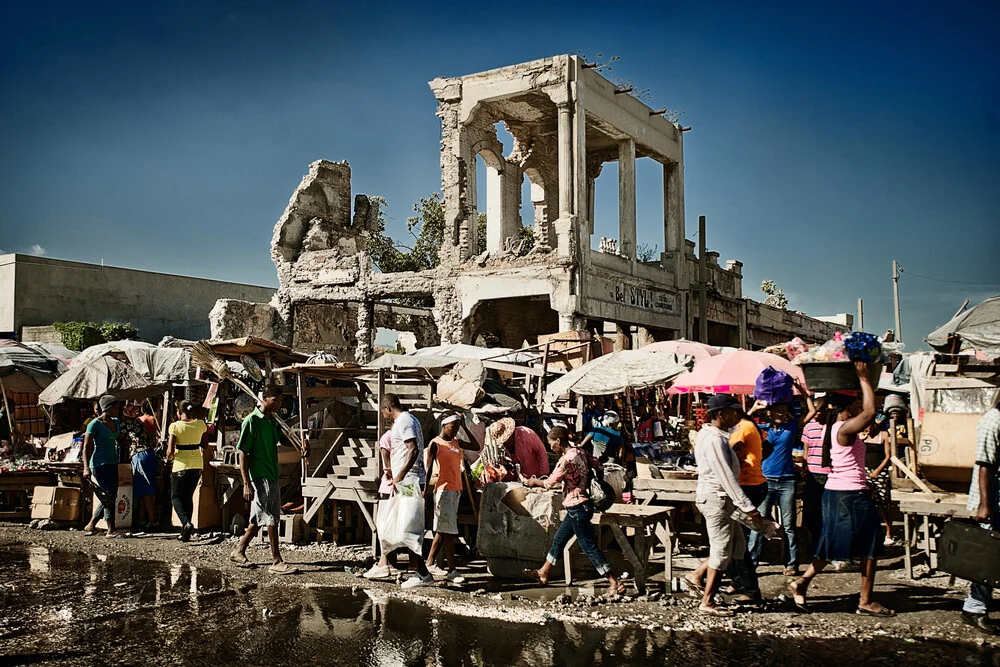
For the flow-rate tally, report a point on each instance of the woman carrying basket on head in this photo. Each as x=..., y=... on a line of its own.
x=573, y=471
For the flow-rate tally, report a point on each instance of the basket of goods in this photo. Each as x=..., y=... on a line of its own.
x=829, y=367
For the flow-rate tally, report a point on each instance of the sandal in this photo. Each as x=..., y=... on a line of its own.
x=794, y=588
x=620, y=589
x=534, y=576
x=89, y=533
x=282, y=568
x=240, y=560
x=694, y=587
x=715, y=611
x=882, y=611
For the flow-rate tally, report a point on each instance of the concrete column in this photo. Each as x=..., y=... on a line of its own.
x=673, y=215
x=565, y=162
x=626, y=197
x=510, y=207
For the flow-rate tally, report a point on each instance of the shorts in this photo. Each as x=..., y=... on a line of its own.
x=726, y=540
x=446, y=511
x=265, y=509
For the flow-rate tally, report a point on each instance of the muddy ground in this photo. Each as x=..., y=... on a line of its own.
x=927, y=608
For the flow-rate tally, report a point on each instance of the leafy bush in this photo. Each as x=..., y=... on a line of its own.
x=78, y=336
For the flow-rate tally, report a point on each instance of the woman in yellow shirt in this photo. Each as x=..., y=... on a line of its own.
x=184, y=448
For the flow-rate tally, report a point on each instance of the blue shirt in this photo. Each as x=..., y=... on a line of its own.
x=782, y=440
x=105, y=443
x=606, y=440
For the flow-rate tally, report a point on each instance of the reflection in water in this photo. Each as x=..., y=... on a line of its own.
x=81, y=610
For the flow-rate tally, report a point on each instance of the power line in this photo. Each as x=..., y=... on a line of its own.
x=946, y=280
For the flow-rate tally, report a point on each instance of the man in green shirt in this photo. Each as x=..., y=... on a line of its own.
x=258, y=445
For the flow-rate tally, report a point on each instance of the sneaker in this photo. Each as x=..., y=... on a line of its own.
x=436, y=571
x=377, y=572
x=888, y=541
x=454, y=577
x=418, y=580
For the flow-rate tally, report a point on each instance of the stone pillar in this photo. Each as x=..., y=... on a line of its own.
x=366, y=333
x=564, y=225
x=510, y=206
x=673, y=216
x=626, y=197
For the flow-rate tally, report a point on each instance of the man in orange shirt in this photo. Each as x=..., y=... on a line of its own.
x=747, y=440
x=446, y=450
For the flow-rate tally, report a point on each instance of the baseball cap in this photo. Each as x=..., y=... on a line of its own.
x=723, y=401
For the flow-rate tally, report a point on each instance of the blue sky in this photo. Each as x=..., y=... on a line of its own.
x=827, y=139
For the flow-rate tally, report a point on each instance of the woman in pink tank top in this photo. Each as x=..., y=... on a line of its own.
x=850, y=518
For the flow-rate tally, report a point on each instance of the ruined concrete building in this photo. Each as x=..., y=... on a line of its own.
x=566, y=121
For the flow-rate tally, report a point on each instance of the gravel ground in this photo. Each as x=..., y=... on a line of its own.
x=927, y=608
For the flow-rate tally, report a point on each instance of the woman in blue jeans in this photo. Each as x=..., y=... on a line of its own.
x=100, y=463
x=573, y=471
x=783, y=435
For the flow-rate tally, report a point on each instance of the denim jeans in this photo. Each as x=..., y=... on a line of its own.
x=104, y=478
x=742, y=572
x=812, y=509
x=980, y=597
x=182, y=486
x=577, y=522
x=781, y=493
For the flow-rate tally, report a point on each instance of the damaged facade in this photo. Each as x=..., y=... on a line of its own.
x=567, y=121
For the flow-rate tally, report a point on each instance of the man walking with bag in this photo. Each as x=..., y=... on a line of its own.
x=401, y=517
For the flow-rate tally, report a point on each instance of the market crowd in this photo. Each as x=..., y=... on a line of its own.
x=746, y=470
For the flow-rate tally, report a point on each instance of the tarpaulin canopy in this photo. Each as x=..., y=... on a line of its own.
x=93, y=379
x=618, y=371
x=24, y=369
x=63, y=356
x=977, y=328
x=732, y=373
x=697, y=350
x=159, y=365
x=462, y=351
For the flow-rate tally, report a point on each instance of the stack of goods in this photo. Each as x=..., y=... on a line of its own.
x=828, y=367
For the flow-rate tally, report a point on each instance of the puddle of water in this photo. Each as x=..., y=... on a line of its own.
x=69, y=608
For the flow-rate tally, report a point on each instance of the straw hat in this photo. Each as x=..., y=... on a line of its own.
x=500, y=431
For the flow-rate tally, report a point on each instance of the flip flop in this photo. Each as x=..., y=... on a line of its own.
x=90, y=533
x=882, y=612
x=614, y=592
x=696, y=590
x=282, y=568
x=534, y=576
x=239, y=560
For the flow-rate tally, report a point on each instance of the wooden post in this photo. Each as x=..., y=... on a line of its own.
x=541, y=384
x=166, y=414
x=6, y=410
x=299, y=381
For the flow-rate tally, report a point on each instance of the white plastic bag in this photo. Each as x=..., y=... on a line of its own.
x=401, y=523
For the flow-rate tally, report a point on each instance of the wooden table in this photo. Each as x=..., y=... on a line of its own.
x=646, y=522
x=17, y=485
x=926, y=511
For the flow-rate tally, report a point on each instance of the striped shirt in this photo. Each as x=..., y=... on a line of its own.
x=812, y=440
x=719, y=467
x=988, y=452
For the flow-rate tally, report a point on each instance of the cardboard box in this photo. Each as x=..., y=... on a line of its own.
x=124, y=474
x=123, y=506
x=58, y=503
x=206, y=512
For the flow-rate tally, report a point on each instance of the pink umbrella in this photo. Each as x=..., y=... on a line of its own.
x=732, y=373
x=699, y=351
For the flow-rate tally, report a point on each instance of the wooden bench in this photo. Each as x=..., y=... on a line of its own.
x=645, y=522
x=926, y=511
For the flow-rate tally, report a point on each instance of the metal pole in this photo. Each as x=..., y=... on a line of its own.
x=702, y=283
x=861, y=316
x=895, y=298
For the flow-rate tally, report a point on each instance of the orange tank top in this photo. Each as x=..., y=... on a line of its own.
x=449, y=460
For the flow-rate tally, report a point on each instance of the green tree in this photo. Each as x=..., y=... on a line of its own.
x=426, y=229
x=775, y=297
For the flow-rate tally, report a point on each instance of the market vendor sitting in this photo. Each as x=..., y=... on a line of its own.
x=606, y=437
x=523, y=447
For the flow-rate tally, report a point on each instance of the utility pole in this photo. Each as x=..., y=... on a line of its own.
x=861, y=316
x=702, y=283
x=895, y=298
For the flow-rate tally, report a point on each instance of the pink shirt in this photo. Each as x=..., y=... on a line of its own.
x=385, y=442
x=848, y=464
x=528, y=451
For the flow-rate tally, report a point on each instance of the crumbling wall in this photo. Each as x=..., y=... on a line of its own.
x=231, y=318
